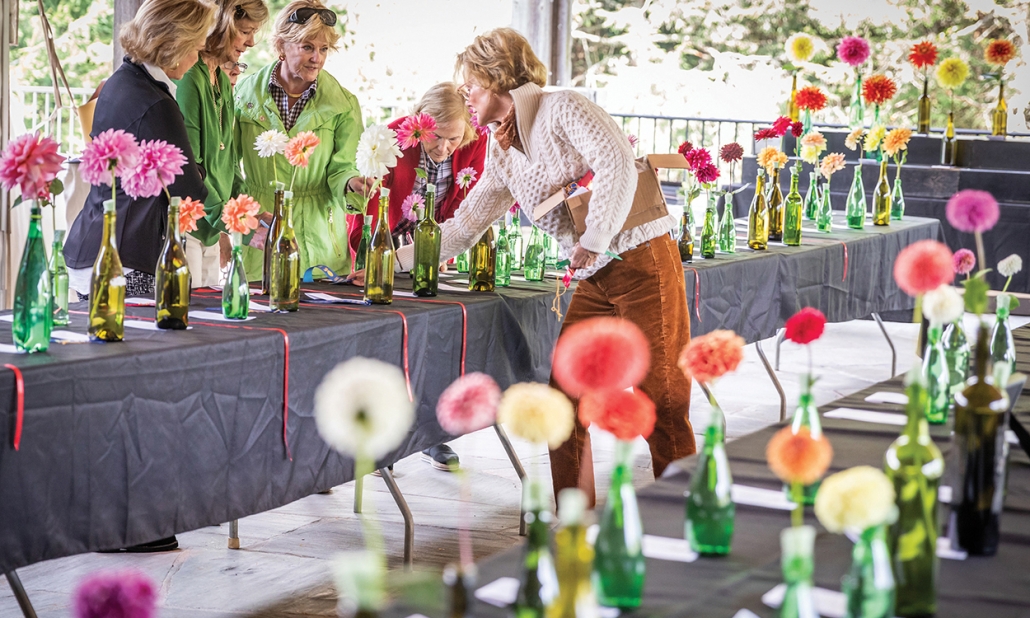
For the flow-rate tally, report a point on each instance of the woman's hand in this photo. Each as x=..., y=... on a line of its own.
x=224, y=250
x=358, y=278
x=360, y=184
x=582, y=258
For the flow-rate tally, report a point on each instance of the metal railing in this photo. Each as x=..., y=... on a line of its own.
x=37, y=106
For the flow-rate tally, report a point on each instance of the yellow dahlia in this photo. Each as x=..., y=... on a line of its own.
x=537, y=413
x=800, y=47
x=855, y=499
x=874, y=137
x=952, y=72
x=851, y=141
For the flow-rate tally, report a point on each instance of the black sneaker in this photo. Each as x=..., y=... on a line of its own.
x=169, y=544
x=441, y=457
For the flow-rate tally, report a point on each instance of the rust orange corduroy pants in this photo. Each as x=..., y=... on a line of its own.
x=647, y=288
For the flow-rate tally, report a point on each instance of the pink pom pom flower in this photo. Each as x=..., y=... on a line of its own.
x=600, y=354
x=923, y=266
x=31, y=163
x=971, y=210
x=158, y=164
x=853, y=50
x=469, y=404
x=964, y=261
x=110, y=155
x=127, y=594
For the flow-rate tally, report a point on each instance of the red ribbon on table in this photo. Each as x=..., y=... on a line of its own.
x=697, y=293
x=19, y=418
x=845, y=275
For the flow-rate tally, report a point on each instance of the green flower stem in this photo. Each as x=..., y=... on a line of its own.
x=980, y=249
x=797, y=516
x=369, y=524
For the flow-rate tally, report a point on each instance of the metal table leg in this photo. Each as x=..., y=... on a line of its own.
x=894, y=353
x=775, y=380
x=409, y=520
x=234, y=534
x=517, y=464
x=780, y=335
x=19, y=593
x=708, y=394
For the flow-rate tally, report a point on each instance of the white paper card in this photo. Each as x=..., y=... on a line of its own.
x=144, y=325
x=944, y=494
x=257, y=307
x=7, y=348
x=212, y=316
x=745, y=613
x=7, y=318
x=667, y=548
x=608, y=612
x=828, y=603
x=67, y=335
x=140, y=302
x=1011, y=437
x=868, y=416
x=322, y=296
x=945, y=552
x=452, y=288
x=885, y=397
x=500, y=592
x=765, y=498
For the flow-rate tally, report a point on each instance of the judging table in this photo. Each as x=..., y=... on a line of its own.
x=719, y=587
x=171, y=431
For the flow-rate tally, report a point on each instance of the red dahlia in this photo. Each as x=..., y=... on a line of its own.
x=923, y=54
x=806, y=325
x=684, y=148
x=999, y=52
x=797, y=129
x=810, y=98
x=765, y=134
x=878, y=89
x=781, y=125
x=731, y=152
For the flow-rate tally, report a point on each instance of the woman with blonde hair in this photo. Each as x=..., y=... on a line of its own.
x=294, y=94
x=161, y=43
x=205, y=98
x=544, y=141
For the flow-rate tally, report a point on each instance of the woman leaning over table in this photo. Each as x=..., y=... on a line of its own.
x=161, y=43
x=545, y=140
x=293, y=95
x=205, y=98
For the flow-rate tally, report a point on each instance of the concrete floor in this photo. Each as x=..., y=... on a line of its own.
x=283, y=567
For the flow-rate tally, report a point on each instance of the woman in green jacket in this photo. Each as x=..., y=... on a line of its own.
x=205, y=97
x=293, y=95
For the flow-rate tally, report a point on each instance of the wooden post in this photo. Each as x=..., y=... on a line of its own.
x=8, y=37
x=124, y=11
x=533, y=19
x=561, y=43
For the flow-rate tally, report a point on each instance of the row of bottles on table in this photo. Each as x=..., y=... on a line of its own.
x=718, y=234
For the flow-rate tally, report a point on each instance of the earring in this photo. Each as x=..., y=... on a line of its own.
x=282, y=56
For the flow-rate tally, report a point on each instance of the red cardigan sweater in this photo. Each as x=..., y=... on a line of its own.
x=401, y=180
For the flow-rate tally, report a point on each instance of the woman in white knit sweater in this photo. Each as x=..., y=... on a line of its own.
x=544, y=141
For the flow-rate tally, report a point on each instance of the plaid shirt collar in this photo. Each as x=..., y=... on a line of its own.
x=288, y=115
x=440, y=174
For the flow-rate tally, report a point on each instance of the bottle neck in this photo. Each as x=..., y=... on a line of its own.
x=983, y=353
x=430, y=207
x=110, y=227
x=794, y=174
x=916, y=426
x=35, y=222
x=173, y=222
x=384, y=203
x=287, y=212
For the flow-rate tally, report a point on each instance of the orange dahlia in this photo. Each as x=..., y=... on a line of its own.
x=798, y=457
x=878, y=89
x=810, y=98
x=999, y=52
x=923, y=54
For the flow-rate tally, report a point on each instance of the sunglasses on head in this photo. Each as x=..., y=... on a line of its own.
x=238, y=13
x=301, y=16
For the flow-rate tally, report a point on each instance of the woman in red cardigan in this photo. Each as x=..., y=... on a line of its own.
x=458, y=145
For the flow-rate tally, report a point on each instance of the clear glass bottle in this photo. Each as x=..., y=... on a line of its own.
x=534, y=266
x=774, y=201
x=924, y=108
x=172, y=276
x=381, y=254
x=882, y=197
x=515, y=242
x=856, y=204
x=552, y=251
x=236, y=290
x=949, y=146
x=1003, y=346
x=999, y=117
x=812, y=197
x=797, y=546
x=792, y=211
x=856, y=113
x=937, y=377
x=107, y=287
x=619, y=566
x=758, y=217
x=284, y=278
x=708, y=240
x=361, y=255
x=502, y=267
x=869, y=586
x=273, y=234
x=956, y=353
x=710, y=511
x=59, y=277
x=727, y=227
x=33, y=318
x=483, y=263
x=824, y=215
x=426, y=273
x=915, y=466
x=574, y=559
x=806, y=415
x=539, y=581
x=897, y=197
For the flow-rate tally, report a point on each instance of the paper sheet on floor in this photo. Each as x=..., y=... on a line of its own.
x=867, y=416
x=828, y=603
x=887, y=397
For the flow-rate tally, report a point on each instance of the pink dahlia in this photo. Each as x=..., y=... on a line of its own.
x=600, y=354
x=964, y=261
x=971, y=210
x=469, y=404
x=415, y=130
x=128, y=594
x=707, y=174
x=923, y=266
x=158, y=164
x=765, y=134
x=110, y=155
x=410, y=203
x=698, y=158
x=298, y=150
x=30, y=162
x=240, y=214
x=781, y=125
x=684, y=148
x=190, y=211
x=853, y=50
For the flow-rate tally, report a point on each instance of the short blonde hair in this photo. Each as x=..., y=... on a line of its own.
x=165, y=31
x=445, y=104
x=230, y=13
x=501, y=60
x=287, y=32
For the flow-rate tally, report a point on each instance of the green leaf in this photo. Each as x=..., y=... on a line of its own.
x=421, y=173
x=1013, y=303
x=355, y=204
x=976, y=295
x=16, y=201
x=56, y=187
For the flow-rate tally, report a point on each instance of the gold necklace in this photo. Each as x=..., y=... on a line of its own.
x=216, y=96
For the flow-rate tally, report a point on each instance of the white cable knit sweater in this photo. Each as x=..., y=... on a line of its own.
x=565, y=136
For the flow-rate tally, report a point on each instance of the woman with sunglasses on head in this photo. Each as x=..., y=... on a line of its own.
x=293, y=95
x=205, y=98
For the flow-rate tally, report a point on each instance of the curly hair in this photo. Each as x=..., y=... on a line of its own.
x=501, y=60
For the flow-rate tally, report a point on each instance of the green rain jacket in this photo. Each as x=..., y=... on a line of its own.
x=319, y=220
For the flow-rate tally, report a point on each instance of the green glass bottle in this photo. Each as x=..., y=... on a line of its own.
x=869, y=586
x=949, y=146
x=856, y=114
x=361, y=255
x=792, y=211
x=59, y=277
x=937, y=377
x=461, y=262
x=284, y=278
x=574, y=560
x=33, y=294
x=426, y=273
x=882, y=197
x=483, y=263
x=539, y=582
x=107, y=286
x=774, y=202
x=924, y=108
x=686, y=239
x=710, y=510
x=806, y=415
x=897, y=197
x=811, y=198
x=979, y=444
x=381, y=255
x=956, y=353
x=273, y=234
x=552, y=251
x=172, y=276
x=797, y=546
x=1003, y=346
x=727, y=227
x=914, y=465
x=758, y=217
x=708, y=240
x=236, y=290
x=856, y=205
x=619, y=567
x=515, y=242
x=824, y=216
x=502, y=267
x=534, y=265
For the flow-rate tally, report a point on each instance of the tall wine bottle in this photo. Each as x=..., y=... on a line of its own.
x=792, y=211
x=897, y=197
x=956, y=352
x=483, y=263
x=937, y=377
x=914, y=465
x=515, y=242
x=999, y=116
x=708, y=240
x=924, y=108
x=574, y=558
x=775, y=205
x=824, y=216
x=502, y=266
x=361, y=255
x=534, y=265
x=539, y=582
x=727, y=227
x=236, y=289
x=710, y=510
x=381, y=255
x=172, y=276
x=758, y=217
x=856, y=205
x=284, y=278
x=33, y=292
x=1003, y=346
x=272, y=235
x=949, y=146
x=426, y=273
x=882, y=197
x=107, y=287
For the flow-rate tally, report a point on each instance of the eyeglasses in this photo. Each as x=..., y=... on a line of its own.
x=301, y=16
x=238, y=66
